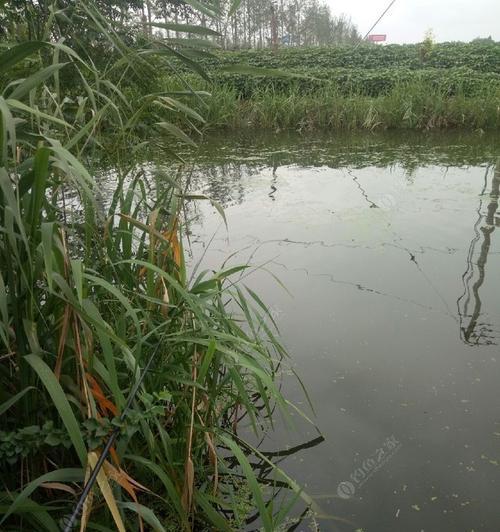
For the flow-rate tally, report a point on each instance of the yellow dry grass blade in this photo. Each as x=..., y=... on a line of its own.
x=127, y=483
x=188, y=489
x=166, y=299
x=59, y=486
x=213, y=460
x=123, y=478
x=87, y=505
x=174, y=243
x=153, y=217
x=105, y=405
x=62, y=341
x=212, y=453
x=102, y=480
x=144, y=227
x=176, y=249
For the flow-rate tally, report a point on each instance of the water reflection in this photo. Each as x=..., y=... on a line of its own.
x=223, y=165
x=372, y=234
x=264, y=469
x=469, y=304
x=227, y=171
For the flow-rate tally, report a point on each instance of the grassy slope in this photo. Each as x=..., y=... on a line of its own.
x=396, y=86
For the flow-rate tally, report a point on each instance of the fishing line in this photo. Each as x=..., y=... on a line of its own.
x=376, y=23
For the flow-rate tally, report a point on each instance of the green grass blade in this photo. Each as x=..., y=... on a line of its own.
x=216, y=518
x=146, y=513
x=19, y=52
x=34, y=80
x=20, y=106
x=61, y=403
x=174, y=496
x=176, y=132
x=59, y=475
x=253, y=483
x=13, y=400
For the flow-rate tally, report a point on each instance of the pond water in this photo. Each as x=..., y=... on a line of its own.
x=389, y=245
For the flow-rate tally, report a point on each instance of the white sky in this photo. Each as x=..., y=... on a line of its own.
x=408, y=20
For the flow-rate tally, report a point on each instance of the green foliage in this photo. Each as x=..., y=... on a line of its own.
x=92, y=285
x=366, y=70
x=20, y=443
x=478, y=56
x=364, y=87
x=454, y=68
x=411, y=105
x=364, y=82
x=25, y=442
x=426, y=46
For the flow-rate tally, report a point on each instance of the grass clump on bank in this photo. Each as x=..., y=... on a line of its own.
x=94, y=292
x=407, y=106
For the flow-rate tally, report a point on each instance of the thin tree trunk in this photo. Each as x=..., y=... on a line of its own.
x=150, y=28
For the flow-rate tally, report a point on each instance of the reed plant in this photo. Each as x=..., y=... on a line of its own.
x=417, y=105
x=94, y=291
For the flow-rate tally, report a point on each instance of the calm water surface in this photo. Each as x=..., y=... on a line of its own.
x=390, y=247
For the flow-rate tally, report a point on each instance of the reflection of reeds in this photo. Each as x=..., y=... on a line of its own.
x=87, y=300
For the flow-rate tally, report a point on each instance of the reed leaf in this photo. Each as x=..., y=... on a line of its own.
x=61, y=404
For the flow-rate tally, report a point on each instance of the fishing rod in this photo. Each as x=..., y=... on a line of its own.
x=116, y=431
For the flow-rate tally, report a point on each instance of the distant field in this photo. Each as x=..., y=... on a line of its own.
x=450, y=85
x=480, y=57
x=368, y=70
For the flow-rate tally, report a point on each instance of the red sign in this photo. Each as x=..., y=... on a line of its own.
x=377, y=38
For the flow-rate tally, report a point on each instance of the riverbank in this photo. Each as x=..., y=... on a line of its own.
x=451, y=85
x=413, y=106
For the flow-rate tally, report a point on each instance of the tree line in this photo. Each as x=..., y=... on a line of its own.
x=254, y=24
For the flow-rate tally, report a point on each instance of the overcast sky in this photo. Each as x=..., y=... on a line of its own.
x=408, y=20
